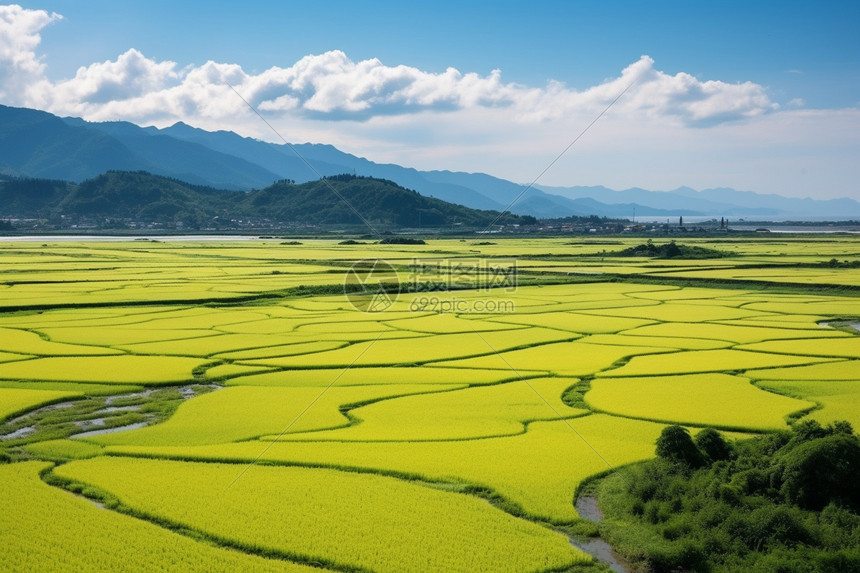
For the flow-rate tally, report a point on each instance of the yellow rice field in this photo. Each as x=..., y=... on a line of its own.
x=717, y=400
x=433, y=436
x=347, y=519
x=15, y=400
x=42, y=527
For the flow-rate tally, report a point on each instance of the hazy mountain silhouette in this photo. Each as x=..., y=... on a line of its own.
x=38, y=144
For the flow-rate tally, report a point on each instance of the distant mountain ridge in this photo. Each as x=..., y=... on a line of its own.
x=38, y=144
x=719, y=202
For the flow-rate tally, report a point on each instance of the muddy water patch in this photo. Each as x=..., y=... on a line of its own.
x=190, y=391
x=144, y=394
x=84, y=424
x=42, y=410
x=114, y=409
x=92, y=433
x=853, y=326
x=19, y=433
x=588, y=509
x=603, y=552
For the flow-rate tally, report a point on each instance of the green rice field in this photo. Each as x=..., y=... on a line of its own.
x=226, y=406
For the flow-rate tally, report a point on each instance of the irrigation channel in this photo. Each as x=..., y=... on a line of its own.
x=587, y=508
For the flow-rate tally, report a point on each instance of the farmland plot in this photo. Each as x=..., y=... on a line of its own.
x=414, y=413
x=45, y=529
x=344, y=519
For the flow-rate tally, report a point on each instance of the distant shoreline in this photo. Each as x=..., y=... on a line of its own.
x=745, y=228
x=799, y=228
x=126, y=238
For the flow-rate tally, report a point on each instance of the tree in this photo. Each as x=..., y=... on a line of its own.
x=807, y=430
x=711, y=443
x=676, y=446
x=823, y=470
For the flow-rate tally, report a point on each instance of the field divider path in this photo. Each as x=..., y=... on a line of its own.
x=355, y=420
x=98, y=496
x=302, y=413
x=549, y=405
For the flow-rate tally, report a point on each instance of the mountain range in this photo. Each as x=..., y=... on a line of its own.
x=38, y=144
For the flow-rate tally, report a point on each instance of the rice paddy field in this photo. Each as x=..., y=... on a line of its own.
x=224, y=406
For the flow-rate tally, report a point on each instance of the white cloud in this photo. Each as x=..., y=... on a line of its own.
x=332, y=87
x=20, y=68
x=688, y=99
x=130, y=76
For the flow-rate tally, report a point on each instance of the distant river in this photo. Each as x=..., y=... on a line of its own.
x=776, y=228
x=116, y=238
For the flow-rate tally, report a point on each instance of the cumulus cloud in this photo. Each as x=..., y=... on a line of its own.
x=690, y=100
x=21, y=69
x=332, y=87
x=131, y=75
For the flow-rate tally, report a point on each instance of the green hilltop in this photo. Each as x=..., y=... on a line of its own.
x=142, y=198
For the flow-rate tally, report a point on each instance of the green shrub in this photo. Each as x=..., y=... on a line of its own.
x=713, y=445
x=823, y=470
x=676, y=446
x=681, y=556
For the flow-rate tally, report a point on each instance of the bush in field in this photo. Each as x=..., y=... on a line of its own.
x=823, y=470
x=675, y=445
x=670, y=250
x=712, y=444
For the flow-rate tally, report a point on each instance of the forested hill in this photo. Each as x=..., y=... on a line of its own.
x=143, y=198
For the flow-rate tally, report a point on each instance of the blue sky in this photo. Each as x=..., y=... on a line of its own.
x=808, y=50
x=747, y=91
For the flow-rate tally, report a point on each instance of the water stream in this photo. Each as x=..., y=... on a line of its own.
x=587, y=508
